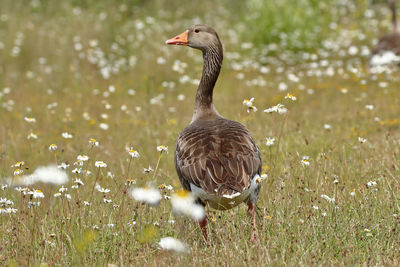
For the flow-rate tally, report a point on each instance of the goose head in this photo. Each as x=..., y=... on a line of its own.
x=199, y=36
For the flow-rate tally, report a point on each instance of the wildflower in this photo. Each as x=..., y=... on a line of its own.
x=249, y=104
x=105, y=200
x=32, y=136
x=79, y=163
x=103, y=126
x=22, y=189
x=184, y=203
x=53, y=147
x=30, y=120
x=62, y=189
x=148, y=195
x=291, y=97
x=57, y=194
x=282, y=86
x=76, y=170
x=18, y=164
x=111, y=88
x=315, y=207
x=110, y=225
x=278, y=108
x=82, y=158
x=93, y=142
x=133, y=153
x=352, y=193
x=5, y=202
x=323, y=214
x=100, y=164
x=36, y=193
x=163, y=186
x=78, y=182
x=131, y=92
x=362, y=140
x=86, y=203
x=131, y=223
x=305, y=161
x=147, y=170
x=130, y=182
x=330, y=200
x=18, y=172
x=162, y=149
x=63, y=166
x=8, y=210
x=327, y=127
x=170, y=243
x=66, y=135
x=161, y=60
x=101, y=189
x=269, y=141
x=86, y=116
x=372, y=184
x=369, y=107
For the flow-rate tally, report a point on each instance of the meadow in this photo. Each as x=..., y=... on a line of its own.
x=92, y=88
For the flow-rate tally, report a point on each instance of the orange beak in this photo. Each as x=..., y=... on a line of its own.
x=180, y=39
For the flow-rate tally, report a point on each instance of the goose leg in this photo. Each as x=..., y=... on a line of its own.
x=203, y=223
x=252, y=212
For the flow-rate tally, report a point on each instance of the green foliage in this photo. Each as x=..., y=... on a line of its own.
x=293, y=25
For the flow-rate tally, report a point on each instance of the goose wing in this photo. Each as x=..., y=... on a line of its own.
x=219, y=156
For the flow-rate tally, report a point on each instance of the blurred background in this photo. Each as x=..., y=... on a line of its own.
x=111, y=39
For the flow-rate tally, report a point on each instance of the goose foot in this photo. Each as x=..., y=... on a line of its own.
x=203, y=223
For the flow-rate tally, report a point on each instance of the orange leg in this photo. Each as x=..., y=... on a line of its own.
x=253, y=214
x=203, y=224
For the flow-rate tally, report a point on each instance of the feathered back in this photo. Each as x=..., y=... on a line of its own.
x=217, y=155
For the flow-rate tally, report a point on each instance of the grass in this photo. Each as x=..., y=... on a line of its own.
x=295, y=25
x=74, y=53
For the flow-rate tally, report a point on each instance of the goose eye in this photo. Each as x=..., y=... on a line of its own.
x=196, y=31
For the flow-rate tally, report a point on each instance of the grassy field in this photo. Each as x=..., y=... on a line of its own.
x=74, y=73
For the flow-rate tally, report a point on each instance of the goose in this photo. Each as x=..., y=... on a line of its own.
x=215, y=158
x=390, y=41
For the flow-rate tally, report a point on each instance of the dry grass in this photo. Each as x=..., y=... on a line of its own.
x=296, y=225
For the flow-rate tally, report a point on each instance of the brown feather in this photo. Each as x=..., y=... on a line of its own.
x=217, y=154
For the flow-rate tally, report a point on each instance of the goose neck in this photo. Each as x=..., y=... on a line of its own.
x=204, y=98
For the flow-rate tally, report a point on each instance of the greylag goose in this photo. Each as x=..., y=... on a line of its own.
x=215, y=158
x=390, y=41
